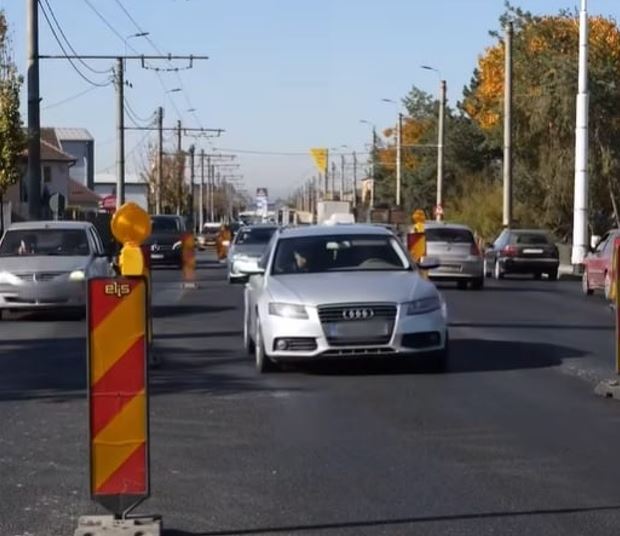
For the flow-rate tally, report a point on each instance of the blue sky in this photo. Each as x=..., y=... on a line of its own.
x=283, y=75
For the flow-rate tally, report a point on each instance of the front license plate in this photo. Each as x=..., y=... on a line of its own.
x=157, y=255
x=355, y=330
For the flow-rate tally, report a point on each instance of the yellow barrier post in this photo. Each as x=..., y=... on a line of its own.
x=189, y=261
x=416, y=238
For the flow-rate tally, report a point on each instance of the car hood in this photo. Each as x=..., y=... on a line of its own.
x=349, y=287
x=47, y=263
x=163, y=238
x=253, y=250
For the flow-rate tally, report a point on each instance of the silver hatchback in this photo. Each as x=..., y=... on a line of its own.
x=460, y=259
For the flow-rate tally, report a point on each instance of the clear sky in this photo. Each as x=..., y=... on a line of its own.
x=283, y=75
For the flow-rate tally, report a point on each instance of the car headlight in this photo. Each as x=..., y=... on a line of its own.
x=423, y=305
x=77, y=275
x=177, y=245
x=225, y=243
x=9, y=278
x=288, y=310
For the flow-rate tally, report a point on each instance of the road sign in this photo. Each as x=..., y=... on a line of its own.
x=118, y=392
x=57, y=203
x=262, y=202
x=319, y=155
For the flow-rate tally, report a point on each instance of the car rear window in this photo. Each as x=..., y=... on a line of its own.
x=447, y=234
x=530, y=239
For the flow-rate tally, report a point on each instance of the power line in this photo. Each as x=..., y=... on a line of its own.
x=71, y=98
x=158, y=50
x=138, y=144
x=135, y=115
x=62, y=33
x=82, y=75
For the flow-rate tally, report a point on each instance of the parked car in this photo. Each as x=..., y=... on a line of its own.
x=166, y=240
x=342, y=291
x=246, y=250
x=208, y=235
x=522, y=251
x=460, y=259
x=45, y=264
x=598, y=265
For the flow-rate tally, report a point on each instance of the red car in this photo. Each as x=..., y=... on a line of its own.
x=598, y=265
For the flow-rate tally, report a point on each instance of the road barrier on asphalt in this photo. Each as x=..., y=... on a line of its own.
x=118, y=392
x=188, y=252
x=416, y=238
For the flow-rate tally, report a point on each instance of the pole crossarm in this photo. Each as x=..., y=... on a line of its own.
x=116, y=56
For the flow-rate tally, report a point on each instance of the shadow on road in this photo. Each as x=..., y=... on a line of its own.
x=290, y=529
x=199, y=335
x=466, y=355
x=533, y=326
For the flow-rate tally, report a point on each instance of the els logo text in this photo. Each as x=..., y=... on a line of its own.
x=120, y=290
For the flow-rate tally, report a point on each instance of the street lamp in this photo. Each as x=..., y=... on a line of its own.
x=440, y=142
x=399, y=143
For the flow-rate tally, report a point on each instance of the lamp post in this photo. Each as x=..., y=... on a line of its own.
x=440, y=141
x=399, y=144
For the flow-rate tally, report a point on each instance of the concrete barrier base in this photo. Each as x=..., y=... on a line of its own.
x=107, y=525
x=608, y=389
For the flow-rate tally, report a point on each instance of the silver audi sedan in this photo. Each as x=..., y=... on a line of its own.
x=342, y=291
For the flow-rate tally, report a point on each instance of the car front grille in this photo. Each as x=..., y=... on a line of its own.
x=39, y=277
x=358, y=324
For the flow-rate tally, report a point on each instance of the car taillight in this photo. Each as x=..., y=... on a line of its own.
x=510, y=251
x=474, y=250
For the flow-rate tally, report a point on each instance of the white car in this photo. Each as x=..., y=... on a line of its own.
x=342, y=291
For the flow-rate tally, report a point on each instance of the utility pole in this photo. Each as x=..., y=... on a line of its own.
x=580, y=207
x=180, y=168
x=160, y=159
x=333, y=180
x=201, y=195
x=120, y=123
x=354, y=180
x=34, y=114
x=399, y=150
x=211, y=170
x=440, y=144
x=192, y=180
x=342, y=186
x=507, y=210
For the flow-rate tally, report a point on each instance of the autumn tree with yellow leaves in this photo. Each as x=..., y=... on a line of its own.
x=545, y=85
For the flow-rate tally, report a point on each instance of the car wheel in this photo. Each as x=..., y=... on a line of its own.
x=478, y=283
x=498, y=273
x=248, y=342
x=585, y=284
x=537, y=275
x=263, y=362
x=461, y=285
x=608, y=285
x=486, y=270
x=553, y=275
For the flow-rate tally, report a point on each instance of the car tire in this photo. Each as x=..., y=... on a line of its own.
x=537, y=276
x=608, y=285
x=263, y=363
x=248, y=342
x=553, y=275
x=477, y=283
x=461, y=285
x=487, y=272
x=498, y=273
x=585, y=284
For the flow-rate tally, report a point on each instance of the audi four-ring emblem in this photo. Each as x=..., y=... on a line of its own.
x=358, y=314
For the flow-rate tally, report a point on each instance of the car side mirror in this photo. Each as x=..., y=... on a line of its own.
x=249, y=271
x=429, y=263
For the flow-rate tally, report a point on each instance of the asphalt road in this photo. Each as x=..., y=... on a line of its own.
x=510, y=441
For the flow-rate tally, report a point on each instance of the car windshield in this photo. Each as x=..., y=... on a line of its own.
x=538, y=239
x=339, y=253
x=449, y=234
x=41, y=242
x=254, y=236
x=165, y=225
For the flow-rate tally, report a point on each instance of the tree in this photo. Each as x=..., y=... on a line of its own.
x=171, y=164
x=545, y=85
x=12, y=138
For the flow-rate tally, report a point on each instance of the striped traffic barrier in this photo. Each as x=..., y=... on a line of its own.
x=118, y=392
